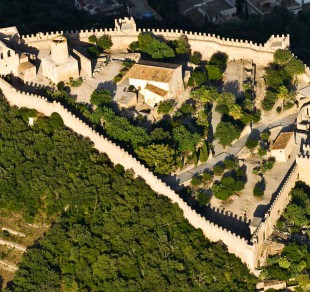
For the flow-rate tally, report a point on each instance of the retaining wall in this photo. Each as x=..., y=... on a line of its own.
x=237, y=245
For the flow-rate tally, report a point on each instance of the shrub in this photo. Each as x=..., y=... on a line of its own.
x=264, y=136
x=261, y=152
x=268, y=164
x=77, y=82
x=195, y=182
x=269, y=100
x=279, y=109
x=186, y=109
x=214, y=72
x=165, y=107
x=207, y=177
x=258, y=191
x=196, y=58
x=202, y=198
x=230, y=162
x=197, y=78
x=251, y=143
x=218, y=169
x=131, y=88
x=61, y=85
x=119, y=168
x=117, y=79
x=227, y=133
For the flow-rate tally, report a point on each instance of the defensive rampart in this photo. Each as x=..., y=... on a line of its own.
x=237, y=245
x=274, y=212
x=206, y=44
x=248, y=251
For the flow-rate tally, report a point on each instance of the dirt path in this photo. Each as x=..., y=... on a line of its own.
x=8, y=267
x=12, y=244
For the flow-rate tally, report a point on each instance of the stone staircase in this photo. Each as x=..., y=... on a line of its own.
x=100, y=64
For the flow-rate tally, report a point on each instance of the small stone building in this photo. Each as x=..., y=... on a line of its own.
x=156, y=81
x=283, y=146
x=59, y=65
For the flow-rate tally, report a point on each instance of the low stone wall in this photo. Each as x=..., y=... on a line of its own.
x=84, y=63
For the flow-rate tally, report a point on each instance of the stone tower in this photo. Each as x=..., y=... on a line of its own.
x=59, y=50
x=59, y=65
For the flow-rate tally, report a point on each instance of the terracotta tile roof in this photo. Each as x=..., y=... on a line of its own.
x=282, y=140
x=151, y=73
x=156, y=90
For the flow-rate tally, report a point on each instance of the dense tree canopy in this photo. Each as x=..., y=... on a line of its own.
x=116, y=233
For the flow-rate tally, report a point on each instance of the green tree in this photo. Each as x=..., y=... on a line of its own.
x=197, y=78
x=214, y=72
x=269, y=100
x=264, y=136
x=186, y=109
x=251, y=143
x=181, y=45
x=105, y=42
x=275, y=78
x=283, y=93
x=219, y=59
x=154, y=47
x=185, y=140
x=258, y=190
x=227, y=133
x=282, y=57
x=101, y=97
x=202, y=198
x=92, y=39
x=159, y=157
x=235, y=111
x=196, y=182
x=204, y=94
x=295, y=67
x=160, y=135
x=203, y=153
x=165, y=107
x=196, y=58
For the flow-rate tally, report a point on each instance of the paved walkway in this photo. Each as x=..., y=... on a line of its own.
x=233, y=150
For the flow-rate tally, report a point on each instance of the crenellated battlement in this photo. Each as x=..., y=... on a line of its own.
x=125, y=32
x=236, y=244
x=274, y=212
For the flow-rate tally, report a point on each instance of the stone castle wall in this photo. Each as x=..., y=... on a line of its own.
x=206, y=44
x=236, y=245
x=274, y=212
x=9, y=61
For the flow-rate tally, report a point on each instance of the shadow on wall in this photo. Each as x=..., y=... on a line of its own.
x=236, y=224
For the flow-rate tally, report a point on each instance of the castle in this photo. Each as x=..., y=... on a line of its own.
x=14, y=48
